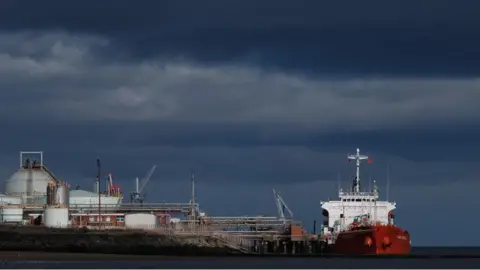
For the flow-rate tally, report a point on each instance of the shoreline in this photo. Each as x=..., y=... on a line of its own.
x=6, y=256
x=58, y=244
x=70, y=256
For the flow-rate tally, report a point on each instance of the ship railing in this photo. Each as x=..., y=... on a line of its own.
x=361, y=193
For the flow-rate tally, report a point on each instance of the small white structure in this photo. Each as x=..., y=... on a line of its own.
x=55, y=217
x=11, y=215
x=174, y=220
x=86, y=199
x=141, y=221
x=9, y=200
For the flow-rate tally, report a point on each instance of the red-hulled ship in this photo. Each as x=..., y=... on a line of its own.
x=359, y=224
x=374, y=239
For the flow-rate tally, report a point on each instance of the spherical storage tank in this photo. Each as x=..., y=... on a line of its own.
x=55, y=217
x=141, y=221
x=32, y=177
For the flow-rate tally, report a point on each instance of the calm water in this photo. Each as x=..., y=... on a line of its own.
x=275, y=262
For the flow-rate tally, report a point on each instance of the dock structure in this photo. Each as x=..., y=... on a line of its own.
x=124, y=207
x=288, y=240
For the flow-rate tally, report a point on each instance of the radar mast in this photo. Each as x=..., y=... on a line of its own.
x=358, y=158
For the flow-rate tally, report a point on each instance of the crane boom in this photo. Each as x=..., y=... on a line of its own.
x=137, y=195
x=145, y=180
x=281, y=207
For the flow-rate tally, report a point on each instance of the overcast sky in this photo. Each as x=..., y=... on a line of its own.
x=252, y=95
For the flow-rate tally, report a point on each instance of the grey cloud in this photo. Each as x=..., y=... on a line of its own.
x=69, y=84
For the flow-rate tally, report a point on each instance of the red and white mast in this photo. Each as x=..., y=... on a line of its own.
x=358, y=159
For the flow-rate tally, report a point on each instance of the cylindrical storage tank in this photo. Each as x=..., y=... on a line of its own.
x=11, y=215
x=7, y=200
x=141, y=221
x=62, y=195
x=58, y=194
x=55, y=217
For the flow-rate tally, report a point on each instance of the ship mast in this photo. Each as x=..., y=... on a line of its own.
x=376, y=195
x=358, y=158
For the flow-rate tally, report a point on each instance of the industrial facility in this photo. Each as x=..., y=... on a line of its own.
x=34, y=196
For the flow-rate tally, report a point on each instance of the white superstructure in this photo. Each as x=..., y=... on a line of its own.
x=353, y=204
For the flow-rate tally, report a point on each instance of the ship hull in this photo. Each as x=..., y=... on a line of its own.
x=379, y=240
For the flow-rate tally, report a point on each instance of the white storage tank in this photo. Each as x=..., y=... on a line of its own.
x=11, y=215
x=55, y=217
x=141, y=221
x=58, y=194
x=86, y=199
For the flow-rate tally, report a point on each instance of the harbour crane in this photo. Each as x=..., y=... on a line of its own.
x=281, y=207
x=138, y=196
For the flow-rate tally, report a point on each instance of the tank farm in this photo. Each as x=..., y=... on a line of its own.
x=36, y=203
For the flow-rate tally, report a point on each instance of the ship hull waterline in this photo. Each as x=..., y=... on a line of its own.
x=383, y=240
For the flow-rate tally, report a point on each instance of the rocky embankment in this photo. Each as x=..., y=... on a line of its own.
x=108, y=242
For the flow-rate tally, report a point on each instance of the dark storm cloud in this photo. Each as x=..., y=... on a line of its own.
x=409, y=38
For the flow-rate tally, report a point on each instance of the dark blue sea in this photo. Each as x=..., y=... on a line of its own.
x=440, y=258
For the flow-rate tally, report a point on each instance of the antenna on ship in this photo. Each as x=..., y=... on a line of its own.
x=388, y=181
x=370, y=179
x=339, y=179
x=357, y=157
x=192, y=200
x=375, y=194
